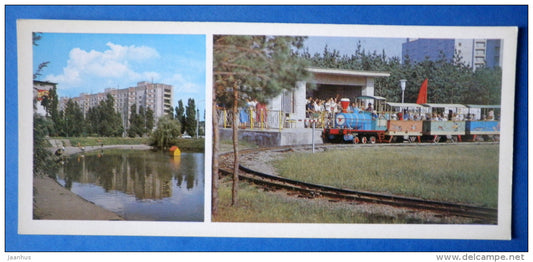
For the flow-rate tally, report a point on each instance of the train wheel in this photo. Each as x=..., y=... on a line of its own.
x=364, y=140
x=436, y=139
x=412, y=139
x=355, y=140
x=372, y=139
x=454, y=139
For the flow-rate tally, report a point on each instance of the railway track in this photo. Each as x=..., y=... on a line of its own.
x=481, y=215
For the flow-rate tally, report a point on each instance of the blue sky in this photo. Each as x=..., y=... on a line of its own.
x=348, y=45
x=91, y=63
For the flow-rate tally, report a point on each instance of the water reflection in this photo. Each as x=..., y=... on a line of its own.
x=140, y=185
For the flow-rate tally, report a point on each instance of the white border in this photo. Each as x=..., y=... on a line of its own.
x=29, y=226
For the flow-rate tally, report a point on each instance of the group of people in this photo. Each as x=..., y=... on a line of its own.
x=332, y=106
x=450, y=116
x=325, y=109
x=253, y=112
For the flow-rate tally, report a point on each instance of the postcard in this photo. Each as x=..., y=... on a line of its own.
x=265, y=130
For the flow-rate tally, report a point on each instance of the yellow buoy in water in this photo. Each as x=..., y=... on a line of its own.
x=175, y=151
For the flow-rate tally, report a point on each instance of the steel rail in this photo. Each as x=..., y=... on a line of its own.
x=482, y=214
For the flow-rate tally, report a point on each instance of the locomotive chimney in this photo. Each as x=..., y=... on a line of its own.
x=345, y=102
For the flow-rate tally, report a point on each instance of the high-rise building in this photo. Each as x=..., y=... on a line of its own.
x=156, y=96
x=475, y=53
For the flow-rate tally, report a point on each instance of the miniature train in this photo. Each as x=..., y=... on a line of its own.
x=390, y=122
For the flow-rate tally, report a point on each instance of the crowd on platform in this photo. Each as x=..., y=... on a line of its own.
x=254, y=113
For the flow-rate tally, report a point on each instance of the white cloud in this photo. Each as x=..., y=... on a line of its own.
x=85, y=67
x=182, y=85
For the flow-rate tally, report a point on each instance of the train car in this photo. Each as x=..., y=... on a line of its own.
x=405, y=122
x=357, y=124
x=483, y=123
x=446, y=124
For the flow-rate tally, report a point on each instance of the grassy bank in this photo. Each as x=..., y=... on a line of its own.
x=96, y=141
x=456, y=173
x=191, y=144
x=188, y=145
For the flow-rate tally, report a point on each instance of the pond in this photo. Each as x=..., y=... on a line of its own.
x=138, y=184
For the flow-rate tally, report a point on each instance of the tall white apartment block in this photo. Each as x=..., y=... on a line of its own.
x=156, y=96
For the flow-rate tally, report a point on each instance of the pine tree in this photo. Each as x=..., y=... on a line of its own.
x=259, y=67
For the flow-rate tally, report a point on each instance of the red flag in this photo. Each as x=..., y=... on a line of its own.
x=423, y=93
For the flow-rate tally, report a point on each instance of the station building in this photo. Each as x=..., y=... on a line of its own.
x=286, y=112
x=329, y=83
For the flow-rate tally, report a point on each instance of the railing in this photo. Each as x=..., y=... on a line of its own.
x=270, y=119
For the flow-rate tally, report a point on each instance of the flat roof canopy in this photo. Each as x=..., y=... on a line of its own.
x=483, y=106
x=404, y=105
x=372, y=97
x=445, y=105
x=347, y=72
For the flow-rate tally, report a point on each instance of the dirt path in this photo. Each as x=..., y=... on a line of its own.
x=52, y=201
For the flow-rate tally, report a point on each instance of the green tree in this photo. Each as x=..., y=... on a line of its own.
x=180, y=114
x=105, y=121
x=132, y=129
x=141, y=121
x=137, y=121
x=258, y=67
x=486, y=84
x=92, y=120
x=50, y=104
x=171, y=112
x=149, y=120
x=43, y=162
x=74, y=120
x=166, y=132
x=190, y=118
x=42, y=157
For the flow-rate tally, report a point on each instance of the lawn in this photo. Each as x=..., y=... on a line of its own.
x=455, y=173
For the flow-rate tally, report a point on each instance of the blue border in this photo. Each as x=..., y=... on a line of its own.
x=381, y=15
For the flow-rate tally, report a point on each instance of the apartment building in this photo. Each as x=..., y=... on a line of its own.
x=475, y=53
x=156, y=96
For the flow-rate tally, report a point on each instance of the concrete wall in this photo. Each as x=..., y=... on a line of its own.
x=300, y=136
x=260, y=138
